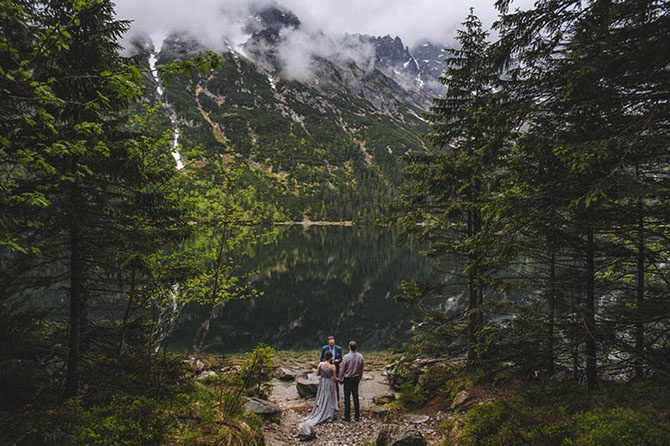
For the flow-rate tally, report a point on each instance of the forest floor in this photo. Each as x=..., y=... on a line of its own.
x=340, y=433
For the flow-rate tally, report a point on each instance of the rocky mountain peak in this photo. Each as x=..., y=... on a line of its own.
x=280, y=46
x=391, y=52
x=272, y=16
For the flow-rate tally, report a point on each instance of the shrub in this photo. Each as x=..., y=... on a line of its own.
x=257, y=370
x=124, y=421
x=562, y=416
x=614, y=427
x=207, y=417
x=434, y=381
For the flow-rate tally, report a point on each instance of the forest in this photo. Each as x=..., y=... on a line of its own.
x=543, y=171
x=548, y=175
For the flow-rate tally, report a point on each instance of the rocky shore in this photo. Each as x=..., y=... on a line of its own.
x=380, y=424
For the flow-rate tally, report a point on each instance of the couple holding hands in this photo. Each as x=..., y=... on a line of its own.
x=333, y=370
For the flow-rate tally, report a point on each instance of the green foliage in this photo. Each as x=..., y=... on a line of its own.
x=564, y=415
x=446, y=200
x=502, y=422
x=545, y=180
x=420, y=387
x=210, y=417
x=124, y=421
x=514, y=347
x=134, y=405
x=616, y=426
x=204, y=62
x=256, y=370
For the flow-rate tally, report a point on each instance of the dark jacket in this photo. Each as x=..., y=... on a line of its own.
x=337, y=354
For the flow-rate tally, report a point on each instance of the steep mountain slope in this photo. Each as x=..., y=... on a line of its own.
x=317, y=122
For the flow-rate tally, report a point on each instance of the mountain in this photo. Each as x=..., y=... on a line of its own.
x=316, y=122
x=417, y=70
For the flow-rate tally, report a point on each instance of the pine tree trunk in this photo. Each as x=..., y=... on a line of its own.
x=472, y=315
x=473, y=298
x=76, y=299
x=590, y=315
x=639, y=325
x=127, y=312
x=475, y=287
x=549, y=359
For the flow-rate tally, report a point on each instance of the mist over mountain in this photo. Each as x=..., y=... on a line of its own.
x=275, y=39
x=319, y=120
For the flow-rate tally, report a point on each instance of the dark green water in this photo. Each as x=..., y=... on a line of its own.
x=316, y=282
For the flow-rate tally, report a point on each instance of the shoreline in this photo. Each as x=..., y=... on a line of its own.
x=347, y=223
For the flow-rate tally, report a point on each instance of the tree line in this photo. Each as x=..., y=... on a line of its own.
x=547, y=178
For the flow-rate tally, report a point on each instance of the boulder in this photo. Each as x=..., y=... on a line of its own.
x=460, y=399
x=380, y=413
x=306, y=432
x=284, y=374
x=205, y=374
x=383, y=399
x=398, y=435
x=260, y=407
x=419, y=419
x=195, y=363
x=306, y=387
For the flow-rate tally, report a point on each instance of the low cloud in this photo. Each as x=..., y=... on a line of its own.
x=299, y=48
x=219, y=23
x=213, y=23
x=413, y=21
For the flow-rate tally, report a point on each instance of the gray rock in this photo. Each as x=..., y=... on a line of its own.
x=195, y=363
x=306, y=432
x=284, y=374
x=380, y=412
x=205, y=374
x=419, y=419
x=261, y=407
x=460, y=399
x=306, y=387
x=383, y=399
x=398, y=435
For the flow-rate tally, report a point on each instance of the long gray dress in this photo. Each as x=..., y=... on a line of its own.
x=325, y=402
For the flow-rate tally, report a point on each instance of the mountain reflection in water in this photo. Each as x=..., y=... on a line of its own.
x=316, y=281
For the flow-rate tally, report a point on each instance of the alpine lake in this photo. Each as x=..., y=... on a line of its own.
x=314, y=281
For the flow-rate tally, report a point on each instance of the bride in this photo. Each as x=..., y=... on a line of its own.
x=325, y=403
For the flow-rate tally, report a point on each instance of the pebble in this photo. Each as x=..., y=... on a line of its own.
x=338, y=433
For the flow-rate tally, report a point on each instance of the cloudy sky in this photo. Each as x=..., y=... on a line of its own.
x=413, y=21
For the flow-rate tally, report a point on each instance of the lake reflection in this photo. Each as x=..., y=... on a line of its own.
x=316, y=281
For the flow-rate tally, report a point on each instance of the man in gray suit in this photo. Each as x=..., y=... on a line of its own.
x=351, y=372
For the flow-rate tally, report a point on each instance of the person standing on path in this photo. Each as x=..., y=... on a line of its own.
x=336, y=350
x=325, y=407
x=351, y=372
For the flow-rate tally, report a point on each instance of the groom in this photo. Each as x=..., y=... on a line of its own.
x=337, y=357
x=351, y=374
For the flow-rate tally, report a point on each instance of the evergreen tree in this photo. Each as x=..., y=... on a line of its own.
x=24, y=121
x=105, y=189
x=590, y=86
x=451, y=184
